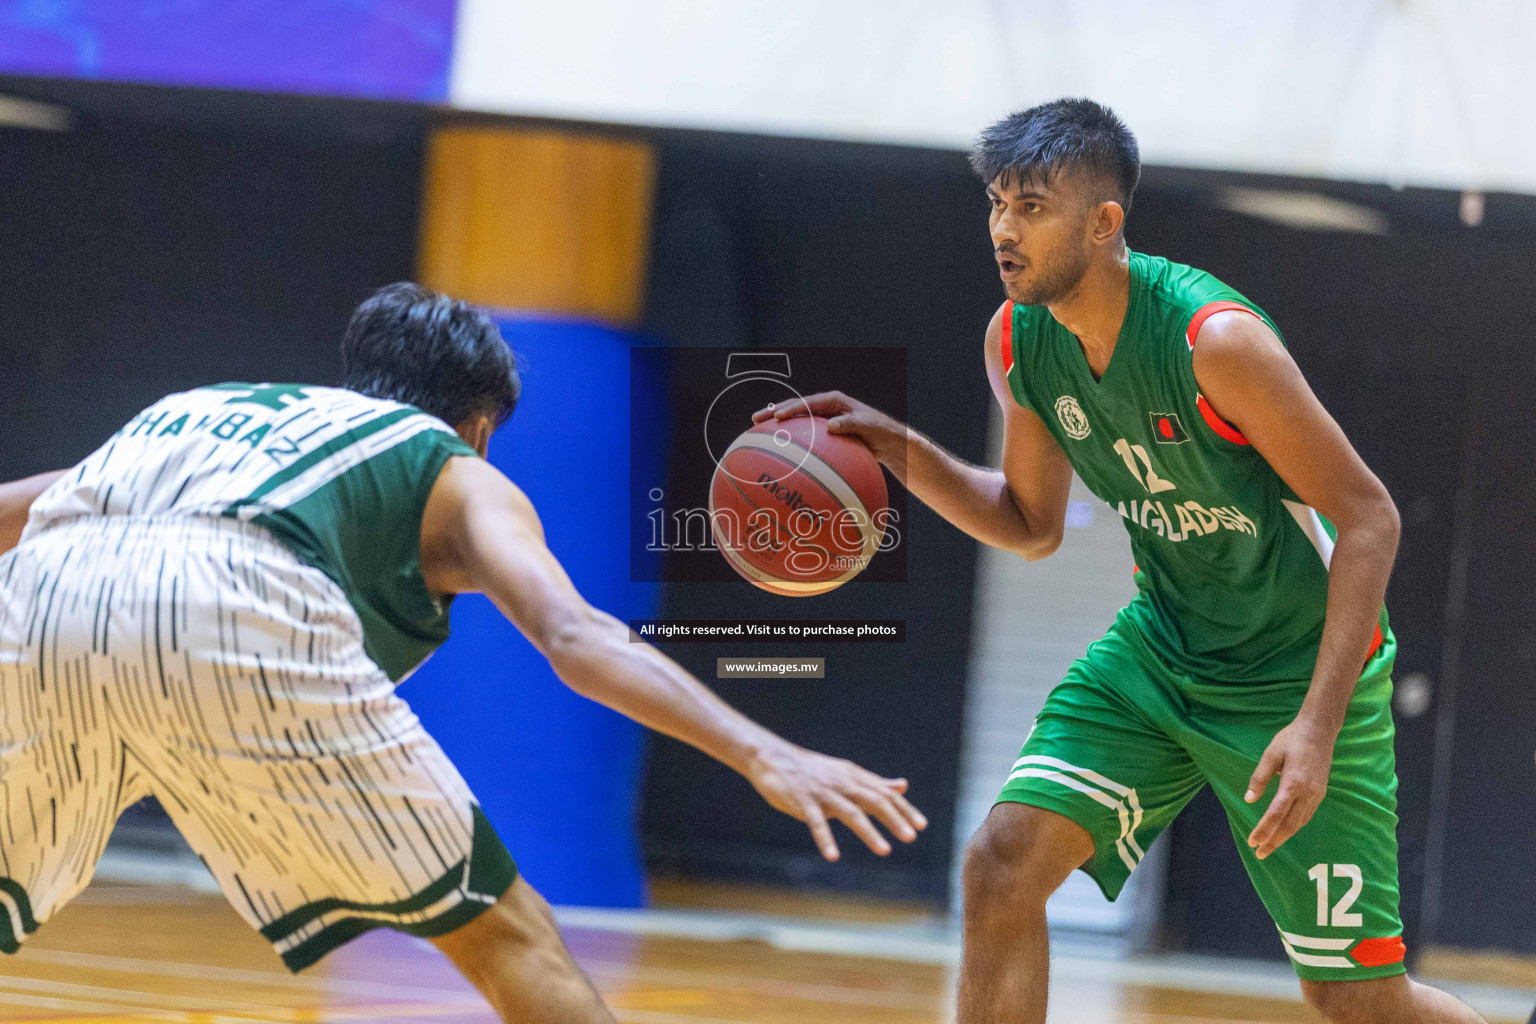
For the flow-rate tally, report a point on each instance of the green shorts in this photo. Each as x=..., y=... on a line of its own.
x=1124, y=743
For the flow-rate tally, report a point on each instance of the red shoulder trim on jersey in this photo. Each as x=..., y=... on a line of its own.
x=1007, y=337
x=1204, y=313
x=1379, y=952
x=1207, y=311
x=1218, y=424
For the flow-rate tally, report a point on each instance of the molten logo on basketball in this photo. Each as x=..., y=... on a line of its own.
x=815, y=516
x=791, y=498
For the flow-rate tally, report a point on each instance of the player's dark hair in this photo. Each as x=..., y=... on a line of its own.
x=443, y=356
x=1066, y=134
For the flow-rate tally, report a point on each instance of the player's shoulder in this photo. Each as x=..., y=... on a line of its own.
x=333, y=401
x=1179, y=287
x=1182, y=298
x=1015, y=334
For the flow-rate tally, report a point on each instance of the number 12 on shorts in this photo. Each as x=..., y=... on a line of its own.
x=1341, y=917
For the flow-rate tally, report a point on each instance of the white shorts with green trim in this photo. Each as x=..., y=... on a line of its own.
x=200, y=662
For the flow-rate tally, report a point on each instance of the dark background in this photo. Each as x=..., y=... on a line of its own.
x=178, y=237
x=187, y=243
x=770, y=243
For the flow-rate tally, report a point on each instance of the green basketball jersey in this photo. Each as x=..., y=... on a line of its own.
x=1232, y=566
x=339, y=478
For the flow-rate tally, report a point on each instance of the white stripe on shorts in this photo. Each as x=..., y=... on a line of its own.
x=1292, y=940
x=1124, y=801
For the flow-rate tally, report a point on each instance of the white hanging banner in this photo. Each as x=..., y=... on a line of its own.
x=1428, y=92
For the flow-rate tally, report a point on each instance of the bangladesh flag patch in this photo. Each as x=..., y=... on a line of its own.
x=1166, y=428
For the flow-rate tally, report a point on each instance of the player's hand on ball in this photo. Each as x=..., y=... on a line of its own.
x=816, y=789
x=884, y=436
x=1302, y=755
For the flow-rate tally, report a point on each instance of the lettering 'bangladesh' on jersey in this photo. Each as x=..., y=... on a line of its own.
x=1232, y=566
x=339, y=478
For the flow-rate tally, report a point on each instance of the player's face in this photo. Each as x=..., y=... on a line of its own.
x=1039, y=237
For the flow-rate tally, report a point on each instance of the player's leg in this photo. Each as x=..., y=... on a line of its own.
x=514, y=955
x=64, y=775
x=1098, y=780
x=1395, y=1000
x=1332, y=887
x=1019, y=856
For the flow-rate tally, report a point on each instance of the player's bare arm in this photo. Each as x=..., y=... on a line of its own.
x=1021, y=507
x=1252, y=382
x=481, y=534
x=16, y=500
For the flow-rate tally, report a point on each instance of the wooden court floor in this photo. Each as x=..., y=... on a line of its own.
x=123, y=953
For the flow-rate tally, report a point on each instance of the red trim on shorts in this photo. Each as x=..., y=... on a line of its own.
x=1376, y=642
x=1007, y=337
x=1379, y=952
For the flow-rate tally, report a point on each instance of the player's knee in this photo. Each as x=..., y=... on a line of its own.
x=1016, y=856
x=517, y=927
x=510, y=928
x=1378, y=1001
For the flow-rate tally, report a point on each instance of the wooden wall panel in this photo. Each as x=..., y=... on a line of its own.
x=540, y=220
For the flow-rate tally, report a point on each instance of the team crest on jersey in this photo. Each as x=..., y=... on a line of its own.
x=1073, y=421
x=1166, y=428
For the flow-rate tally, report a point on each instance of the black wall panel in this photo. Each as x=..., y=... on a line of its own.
x=143, y=256
x=1482, y=890
x=772, y=243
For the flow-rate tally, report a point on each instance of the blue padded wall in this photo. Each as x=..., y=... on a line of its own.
x=557, y=775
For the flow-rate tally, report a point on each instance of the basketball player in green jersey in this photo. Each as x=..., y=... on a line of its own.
x=1257, y=646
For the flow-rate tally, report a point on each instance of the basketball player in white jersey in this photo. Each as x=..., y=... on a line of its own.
x=216, y=606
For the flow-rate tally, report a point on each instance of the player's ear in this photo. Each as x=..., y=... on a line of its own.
x=475, y=431
x=1107, y=220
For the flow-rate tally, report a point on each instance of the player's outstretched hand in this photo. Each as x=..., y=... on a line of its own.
x=884, y=436
x=816, y=788
x=1302, y=755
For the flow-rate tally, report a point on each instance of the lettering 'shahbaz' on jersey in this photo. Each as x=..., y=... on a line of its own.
x=338, y=477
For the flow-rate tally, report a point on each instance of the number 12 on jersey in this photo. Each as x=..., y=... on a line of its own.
x=1151, y=481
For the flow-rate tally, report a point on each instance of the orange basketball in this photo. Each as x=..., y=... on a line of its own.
x=795, y=509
